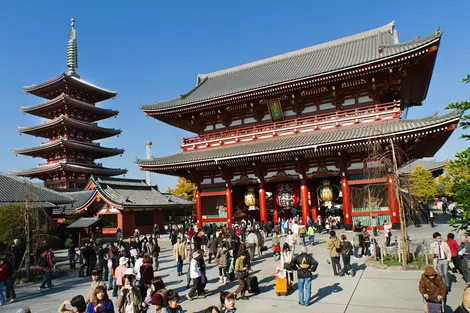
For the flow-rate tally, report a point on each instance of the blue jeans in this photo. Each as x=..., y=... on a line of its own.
x=179, y=265
x=312, y=240
x=304, y=286
x=111, y=280
x=303, y=240
x=47, y=280
x=3, y=286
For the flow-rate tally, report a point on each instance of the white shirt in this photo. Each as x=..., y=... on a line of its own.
x=138, y=264
x=295, y=229
x=252, y=238
x=194, y=271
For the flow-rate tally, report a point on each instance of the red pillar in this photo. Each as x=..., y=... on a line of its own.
x=228, y=203
x=304, y=199
x=314, y=199
x=393, y=202
x=263, y=215
x=198, y=208
x=275, y=209
x=346, y=202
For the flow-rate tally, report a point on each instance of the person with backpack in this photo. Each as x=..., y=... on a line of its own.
x=303, y=233
x=46, y=263
x=346, y=252
x=304, y=264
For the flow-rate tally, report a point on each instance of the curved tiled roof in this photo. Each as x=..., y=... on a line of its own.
x=72, y=167
x=352, y=51
x=301, y=141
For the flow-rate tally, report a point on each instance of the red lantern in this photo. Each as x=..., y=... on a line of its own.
x=287, y=195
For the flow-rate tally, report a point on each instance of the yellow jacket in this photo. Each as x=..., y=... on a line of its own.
x=332, y=244
x=179, y=249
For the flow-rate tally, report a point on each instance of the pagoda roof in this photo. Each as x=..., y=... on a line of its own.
x=43, y=108
x=16, y=190
x=70, y=167
x=364, y=48
x=313, y=140
x=99, y=132
x=62, y=81
x=96, y=149
x=126, y=192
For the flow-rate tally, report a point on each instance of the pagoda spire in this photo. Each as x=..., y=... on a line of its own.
x=72, y=51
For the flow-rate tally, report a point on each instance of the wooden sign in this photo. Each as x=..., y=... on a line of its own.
x=275, y=109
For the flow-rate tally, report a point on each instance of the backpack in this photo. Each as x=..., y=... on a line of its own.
x=42, y=262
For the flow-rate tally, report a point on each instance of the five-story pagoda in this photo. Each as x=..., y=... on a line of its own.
x=70, y=129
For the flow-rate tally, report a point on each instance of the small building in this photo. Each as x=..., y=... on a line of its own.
x=127, y=204
x=433, y=166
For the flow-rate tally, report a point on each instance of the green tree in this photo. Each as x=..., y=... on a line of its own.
x=11, y=223
x=184, y=189
x=422, y=184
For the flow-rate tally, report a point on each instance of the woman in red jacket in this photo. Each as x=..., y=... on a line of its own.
x=454, y=249
x=3, y=279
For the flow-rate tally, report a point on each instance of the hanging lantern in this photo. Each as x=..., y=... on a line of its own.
x=250, y=199
x=328, y=193
x=287, y=195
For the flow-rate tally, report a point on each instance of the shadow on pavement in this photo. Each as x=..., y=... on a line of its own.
x=325, y=292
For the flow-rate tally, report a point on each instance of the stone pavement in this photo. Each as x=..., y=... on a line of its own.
x=371, y=290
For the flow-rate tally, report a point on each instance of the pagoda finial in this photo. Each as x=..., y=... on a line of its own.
x=72, y=51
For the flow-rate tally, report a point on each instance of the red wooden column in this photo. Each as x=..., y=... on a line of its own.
x=314, y=199
x=393, y=202
x=304, y=199
x=275, y=209
x=229, y=204
x=346, y=201
x=263, y=213
x=198, y=208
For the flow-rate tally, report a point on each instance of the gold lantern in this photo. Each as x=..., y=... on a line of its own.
x=327, y=193
x=250, y=199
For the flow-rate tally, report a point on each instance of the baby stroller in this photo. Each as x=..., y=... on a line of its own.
x=432, y=306
x=277, y=252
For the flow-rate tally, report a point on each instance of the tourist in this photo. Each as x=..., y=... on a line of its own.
x=241, y=272
x=76, y=305
x=81, y=261
x=179, y=254
x=138, y=263
x=222, y=261
x=156, y=286
x=303, y=233
x=431, y=218
x=46, y=263
x=387, y=233
x=3, y=278
x=212, y=309
x=291, y=240
x=365, y=242
x=431, y=286
x=92, y=259
x=464, y=256
x=146, y=274
x=227, y=302
x=172, y=303
x=319, y=224
x=71, y=255
x=251, y=242
x=286, y=259
x=212, y=246
x=112, y=265
x=346, y=252
x=11, y=277
x=441, y=254
x=304, y=264
x=155, y=254
x=195, y=275
x=260, y=245
x=454, y=250
x=95, y=282
x=465, y=306
x=295, y=232
x=373, y=223
x=134, y=250
x=119, y=275
x=100, y=301
x=311, y=234
x=334, y=248
x=129, y=299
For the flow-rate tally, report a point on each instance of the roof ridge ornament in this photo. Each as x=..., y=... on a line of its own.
x=72, y=51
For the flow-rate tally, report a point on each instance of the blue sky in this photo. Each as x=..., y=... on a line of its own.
x=153, y=50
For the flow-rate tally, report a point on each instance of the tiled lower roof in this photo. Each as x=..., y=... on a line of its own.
x=72, y=167
x=316, y=138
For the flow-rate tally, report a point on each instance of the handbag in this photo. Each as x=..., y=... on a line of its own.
x=217, y=261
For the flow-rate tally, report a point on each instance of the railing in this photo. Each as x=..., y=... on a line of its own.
x=317, y=120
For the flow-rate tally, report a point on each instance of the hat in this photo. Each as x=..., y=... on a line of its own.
x=157, y=299
x=195, y=254
x=429, y=271
x=95, y=273
x=130, y=271
x=123, y=260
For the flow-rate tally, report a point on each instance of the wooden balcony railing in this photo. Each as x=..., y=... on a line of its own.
x=325, y=120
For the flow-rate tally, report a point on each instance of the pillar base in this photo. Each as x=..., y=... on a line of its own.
x=396, y=226
x=348, y=226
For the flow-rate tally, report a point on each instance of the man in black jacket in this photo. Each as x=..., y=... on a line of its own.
x=304, y=264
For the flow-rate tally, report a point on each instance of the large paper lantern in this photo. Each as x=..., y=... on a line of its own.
x=287, y=195
x=250, y=199
x=328, y=193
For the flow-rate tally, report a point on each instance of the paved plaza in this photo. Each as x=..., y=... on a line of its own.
x=371, y=290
